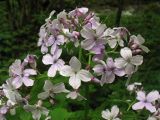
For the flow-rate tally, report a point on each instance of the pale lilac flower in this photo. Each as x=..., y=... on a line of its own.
x=111, y=115
x=20, y=75
x=145, y=101
x=37, y=110
x=93, y=39
x=75, y=73
x=11, y=93
x=50, y=90
x=116, y=36
x=108, y=71
x=138, y=41
x=54, y=61
x=128, y=61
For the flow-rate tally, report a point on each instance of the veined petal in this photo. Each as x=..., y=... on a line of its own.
x=126, y=53
x=75, y=64
x=84, y=75
x=119, y=72
x=27, y=81
x=138, y=106
x=87, y=33
x=112, y=43
x=66, y=71
x=47, y=59
x=152, y=96
x=137, y=60
x=52, y=70
x=144, y=48
x=75, y=82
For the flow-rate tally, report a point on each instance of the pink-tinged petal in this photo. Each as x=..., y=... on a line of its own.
x=75, y=82
x=27, y=82
x=129, y=69
x=137, y=60
x=47, y=85
x=47, y=59
x=138, y=106
x=141, y=96
x=150, y=107
x=17, y=82
x=75, y=64
x=120, y=63
x=52, y=71
x=43, y=95
x=59, y=87
x=152, y=96
x=44, y=49
x=66, y=71
x=30, y=72
x=15, y=68
x=119, y=72
x=84, y=75
x=88, y=44
x=99, y=69
x=126, y=53
x=100, y=29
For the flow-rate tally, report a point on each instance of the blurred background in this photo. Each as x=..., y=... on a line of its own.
x=20, y=21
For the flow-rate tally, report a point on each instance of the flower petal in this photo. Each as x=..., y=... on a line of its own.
x=137, y=60
x=115, y=111
x=30, y=72
x=112, y=43
x=47, y=59
x=84, y=75
x=152, y=96
x=75, y=82
x=106, y=114
x=88, y=44
x=120, y=63
x=17, y=82
x=43, y=95
x=66, y=71
x=138, y=106
x=60, y=87
x=100, y=29
x=126, y=53
x=150, y=107
x=99, y=69
x=87, y=33
x=48, y=85
x=52, y=71
x=27, y=82
x=75, y=64
x=119, y=71
x=129, y=69
x=141, y=96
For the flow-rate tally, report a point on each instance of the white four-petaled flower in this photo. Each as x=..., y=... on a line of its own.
x=75, y=73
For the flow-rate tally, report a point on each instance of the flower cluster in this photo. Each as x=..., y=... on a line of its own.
x=104, y=54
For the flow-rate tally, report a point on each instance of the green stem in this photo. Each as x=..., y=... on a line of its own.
x=80, y=53
x=131, y=105
x=86, y=94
